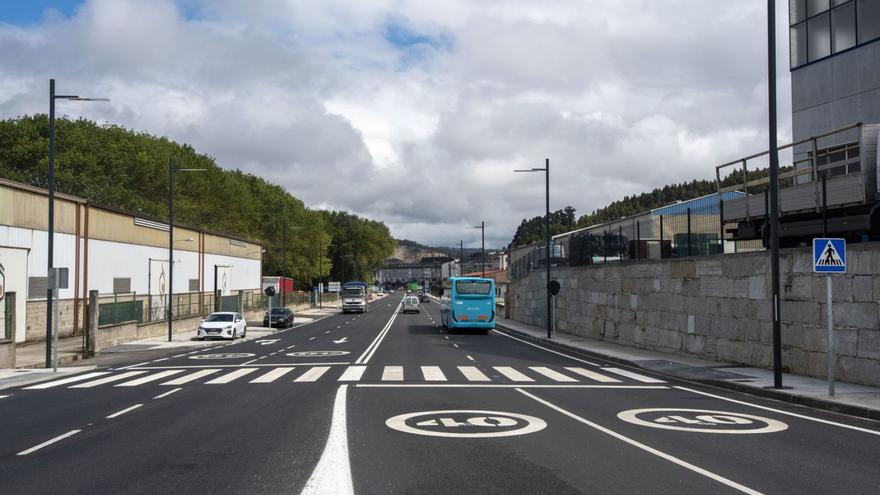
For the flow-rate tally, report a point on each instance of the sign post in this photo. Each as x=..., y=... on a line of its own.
x=829, y=256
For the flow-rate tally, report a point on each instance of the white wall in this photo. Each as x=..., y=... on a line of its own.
x=15, y=266
x=242, y=274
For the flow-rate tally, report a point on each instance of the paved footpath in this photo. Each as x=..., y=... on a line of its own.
x=391, y=403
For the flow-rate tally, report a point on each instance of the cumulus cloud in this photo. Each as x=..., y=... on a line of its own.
x=416, y=112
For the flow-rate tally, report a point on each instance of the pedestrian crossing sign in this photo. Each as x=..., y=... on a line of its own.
x=829, y=255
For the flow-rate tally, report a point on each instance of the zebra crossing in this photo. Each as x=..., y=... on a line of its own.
x=354, y=373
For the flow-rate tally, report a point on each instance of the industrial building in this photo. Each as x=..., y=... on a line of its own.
x=122, y=255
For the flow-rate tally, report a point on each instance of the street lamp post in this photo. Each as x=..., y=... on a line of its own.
x=546, y=171
x=51, y=243
x=482, y=228
x=774, y=194
x=171, y=171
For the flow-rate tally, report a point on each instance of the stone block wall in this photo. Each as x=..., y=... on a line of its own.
x=718, y=307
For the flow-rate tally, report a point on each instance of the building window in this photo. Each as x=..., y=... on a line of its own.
x=819, y=37
x=869, y=20
x=799, y=45
x=797, y=11
x=815, y=7
x=843, y=27
x=121, y=285
x=194, y=285
x=37, y=287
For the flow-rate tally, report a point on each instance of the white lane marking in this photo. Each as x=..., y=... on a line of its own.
x=132, y=366
x=4, y=396
x=338, y=326
x=166, y=394
x=801, y=416
x=634, y=376
x=592, y=375
x=332, y=474
x=473, y=374
x=228, y=377
x=512, y=374
x=371, y=349
x=313, y=374
x=507, y=385
x=149, y=378
x=392, y=373
x=111, y=378
x=644, y=447
x=469, y=357
x=456, y=346
x=192, y=376
x=182, y=355
x=446, y=337
x=353, y=374
x=433, y=374
x=546, y=349
x=225, y=366
x=327, y=331
x=271, y=376
x=551, y=374
x=65, y=381
x=312, y=338
x=49, y=442
x=159, y=360
x=127, y=409
x=341, y=341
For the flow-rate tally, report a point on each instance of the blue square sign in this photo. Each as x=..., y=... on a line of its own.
x=829, y=255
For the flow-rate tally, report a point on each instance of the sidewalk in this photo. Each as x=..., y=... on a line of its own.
x=856, y=400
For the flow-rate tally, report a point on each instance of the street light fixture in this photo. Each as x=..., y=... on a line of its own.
x=171, y=171
x=51, y=244
x=482, y=228
x=774, y=195
x=546, y=171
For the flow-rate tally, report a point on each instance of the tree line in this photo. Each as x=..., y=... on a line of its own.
x=114, y=166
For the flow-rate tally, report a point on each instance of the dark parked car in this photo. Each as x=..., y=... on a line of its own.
x=423, y=297
x=281, y=317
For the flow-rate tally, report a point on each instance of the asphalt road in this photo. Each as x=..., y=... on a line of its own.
x=391, y=403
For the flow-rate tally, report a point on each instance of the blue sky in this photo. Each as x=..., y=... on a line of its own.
x=25, y=12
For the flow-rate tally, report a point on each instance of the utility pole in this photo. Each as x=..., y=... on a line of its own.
x=170, y=311
x=483, y=243
x=774, y=194
x=460, y=257
x=546, y=171
x=283, y=261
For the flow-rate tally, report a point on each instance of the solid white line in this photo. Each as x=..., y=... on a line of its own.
x=392, y=373
x=65, y=381
x=512, y=374
x=332, y=474
x=228, y=377
x=158, y=360
x=4, y=396
x=506, y=385
x=339, y=363
x=127, y=409
x=371, y=349
x=182, y=355
x=553, y=375
x=111, y=378
x=433, y=374
x=592, y=375
x=48, y=442
x=546, y=349
x=473, y=374
x=132, y=366
x=313, y=374
x=801, y=416
x=166, y=394
x=634, y=376
x=192, y=376
x=271, y=376
x=651, y=450
x=353, y=374
x=149, y=378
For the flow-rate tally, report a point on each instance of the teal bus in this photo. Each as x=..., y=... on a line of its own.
x=470, y=304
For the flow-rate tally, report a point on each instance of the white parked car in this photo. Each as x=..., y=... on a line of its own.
x=224, y=325
x=410, y=303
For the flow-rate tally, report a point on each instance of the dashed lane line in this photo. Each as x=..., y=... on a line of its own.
x=166, y=394
x=49, y=442
x=126, y=410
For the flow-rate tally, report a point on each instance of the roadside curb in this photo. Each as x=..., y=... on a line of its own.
x=813, y=402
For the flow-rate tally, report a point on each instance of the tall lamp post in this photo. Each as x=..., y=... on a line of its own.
x=171, y=171
x=546, y=171
x=774, y=194
x=51, y=245
x=482, y=228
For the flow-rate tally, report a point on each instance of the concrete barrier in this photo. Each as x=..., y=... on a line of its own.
x=7, y=354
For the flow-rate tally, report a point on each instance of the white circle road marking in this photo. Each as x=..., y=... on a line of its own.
x=465, y=423
x=228, y=355
x=317, y=353
x=702, y=421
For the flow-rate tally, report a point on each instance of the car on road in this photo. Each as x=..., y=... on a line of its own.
x=223, y=325
x=424, y=297
x=281, y=317
x=410, y=305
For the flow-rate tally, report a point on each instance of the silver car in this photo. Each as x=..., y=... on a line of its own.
x=410, y=304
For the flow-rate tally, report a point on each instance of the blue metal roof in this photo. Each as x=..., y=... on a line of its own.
x=708, y=201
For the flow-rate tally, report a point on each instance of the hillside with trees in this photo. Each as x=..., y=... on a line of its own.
x=534, y=229
x=114, y=166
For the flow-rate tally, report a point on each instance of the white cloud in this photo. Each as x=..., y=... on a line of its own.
x=415, y=112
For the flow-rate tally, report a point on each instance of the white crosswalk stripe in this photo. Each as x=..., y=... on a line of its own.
x=592, y=375
x=313, y=374
x=65, y=381
x=272, y=375
x=149, y=378
x=192, y=377
x=353, y=374
x=512, y=374
x=433, y=374
x=472, y=374
x=553, y=375
x=228, y=377
x=392, y=373
x=635, y=376
x=108, y=379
